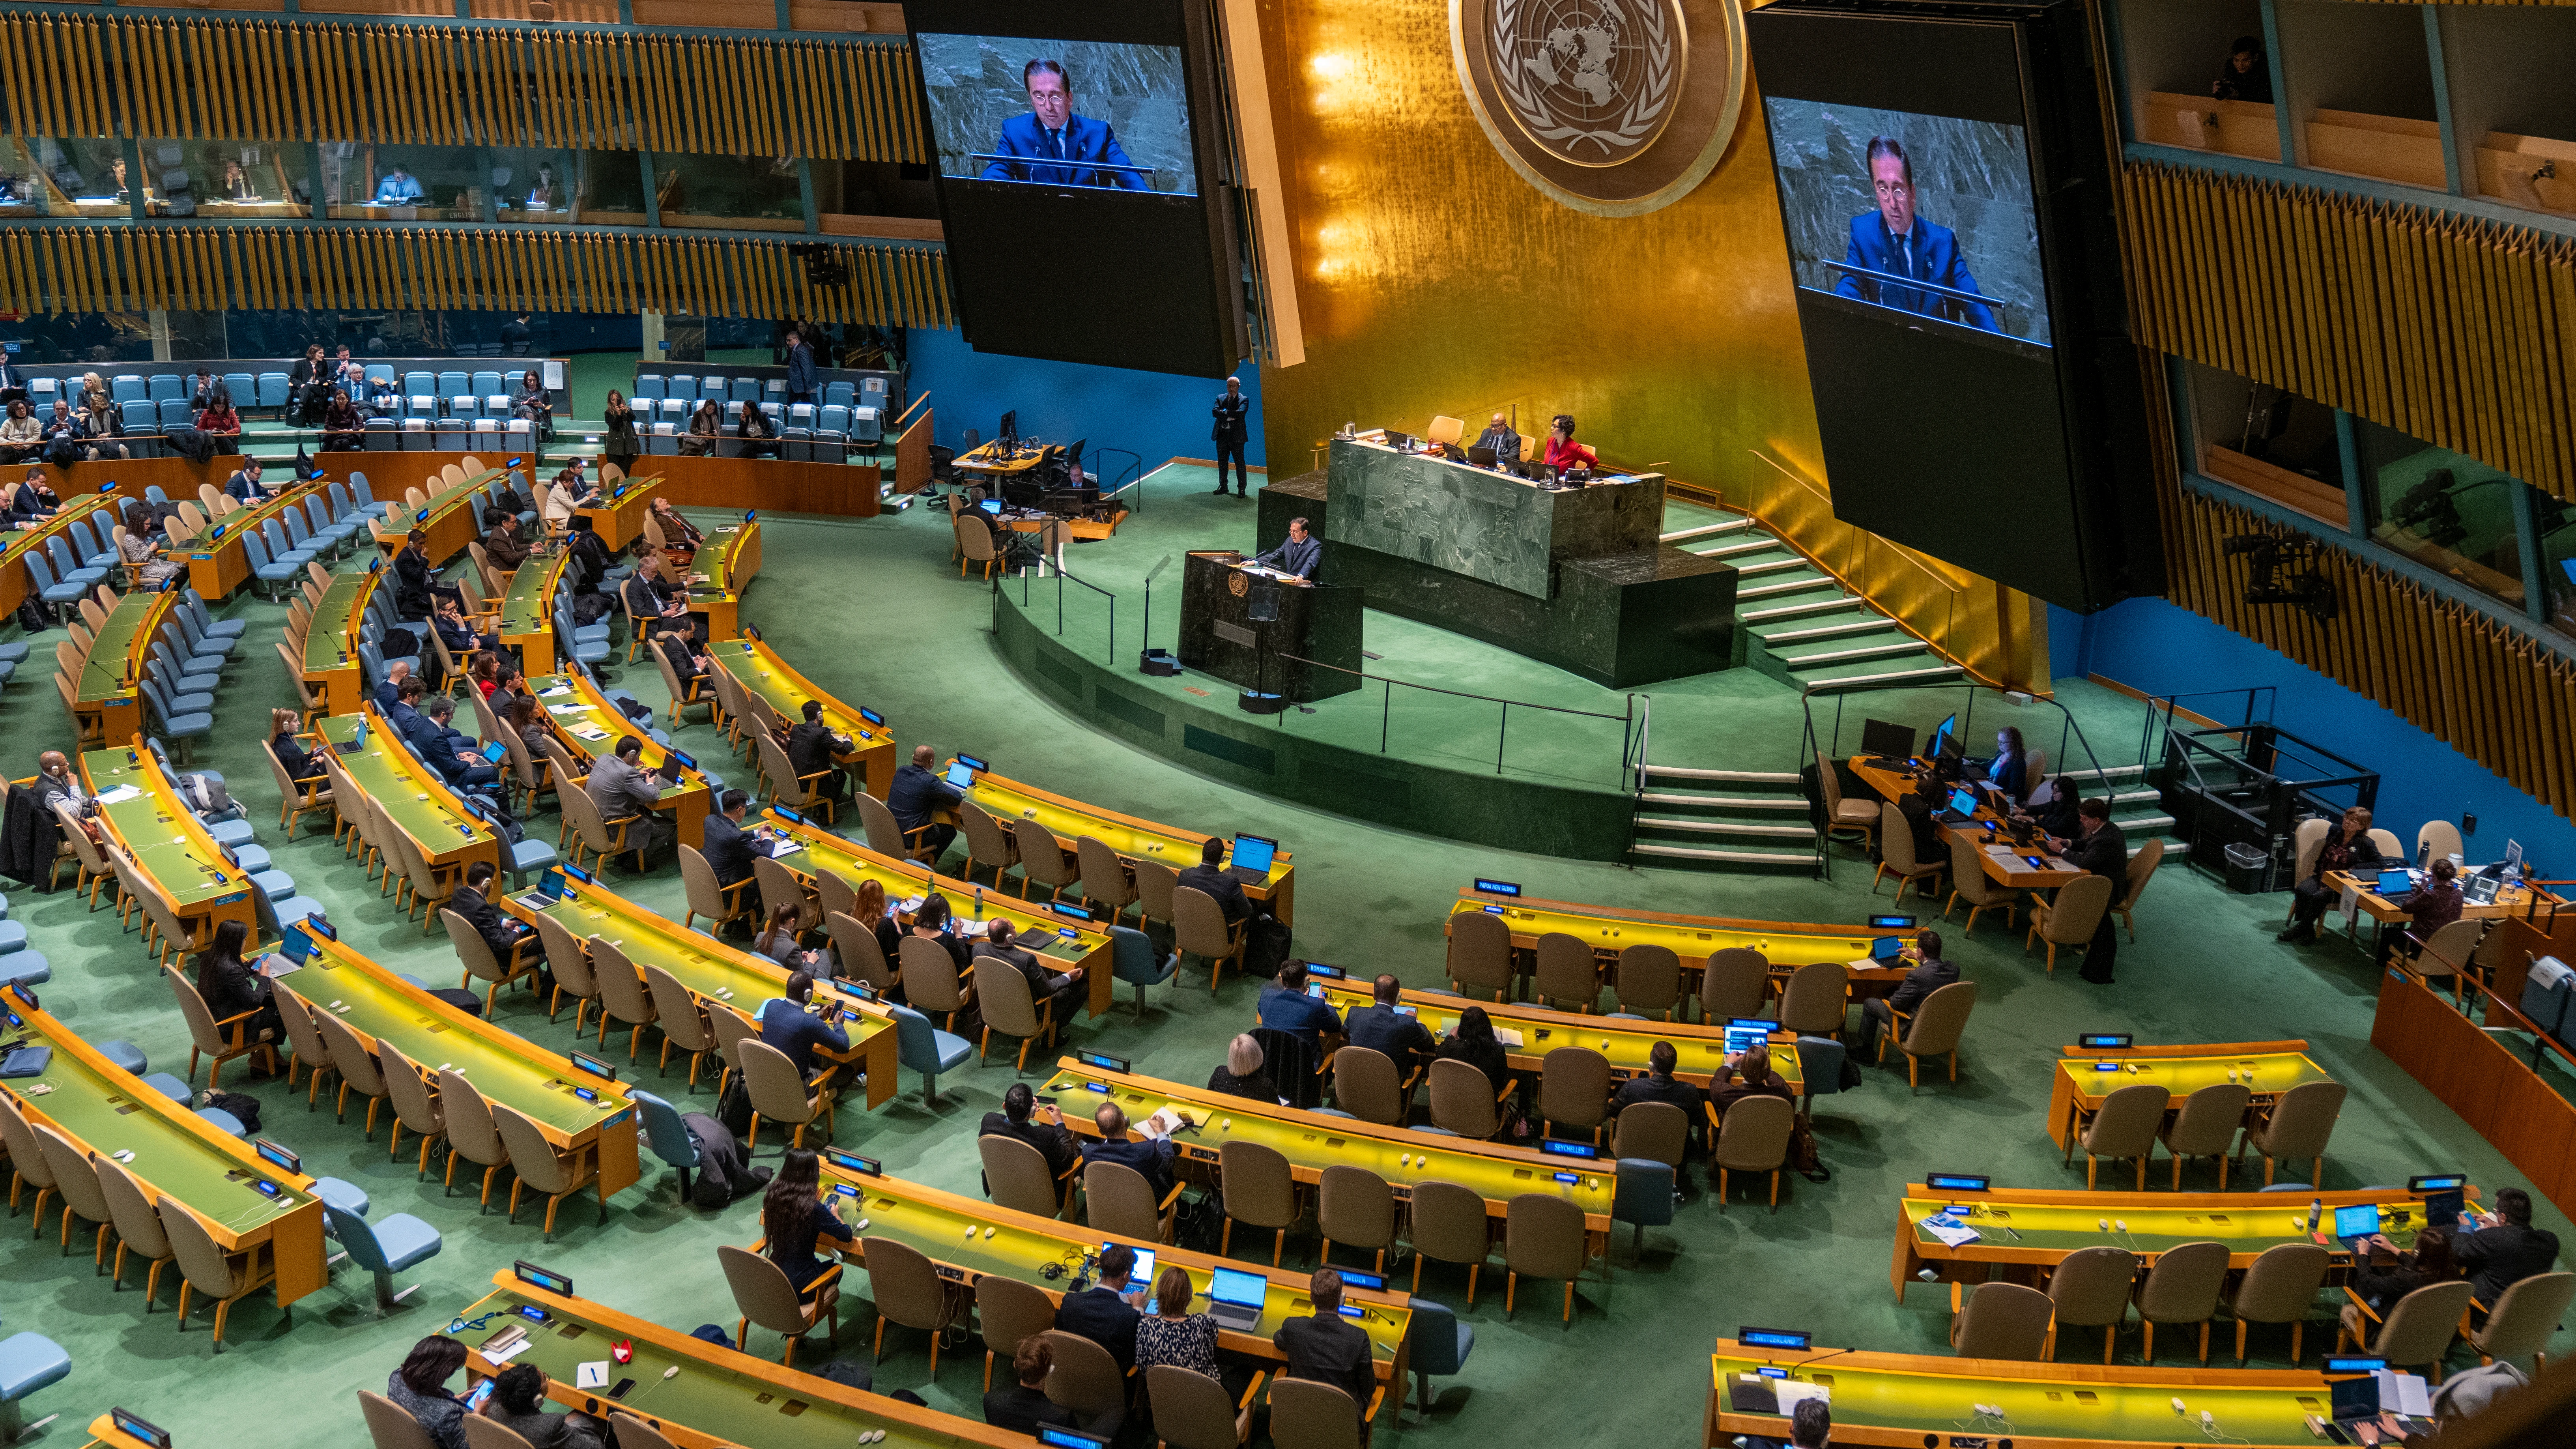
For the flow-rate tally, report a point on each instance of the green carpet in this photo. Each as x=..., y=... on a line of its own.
x=873, y=611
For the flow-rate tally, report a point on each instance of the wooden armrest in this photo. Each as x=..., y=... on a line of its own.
x=237, y=1016
x=1166, y=1204
x=1505, y=1094
x=1259, y=1378
x=740, y=885
x=2358, y=1303
x=1376, y=1401
x=1073, y=1172
x=1710, y=1109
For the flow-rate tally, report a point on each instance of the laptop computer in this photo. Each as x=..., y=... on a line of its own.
x=1251, y=860
x=1481, y=457
x=1142, y=1275
x=1886, y=739
x=1743, y=1033
x=2352, y=1224
x=1235, y=1297
x=1453, y=452
x=2395, y=886
x=1401, y=442
x=960, y=775
x=1887, y=949
x=1961, y=809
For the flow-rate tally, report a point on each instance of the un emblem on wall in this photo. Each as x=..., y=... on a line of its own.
x=1614, y=107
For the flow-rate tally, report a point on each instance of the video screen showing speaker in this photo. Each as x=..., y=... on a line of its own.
x=1084, y=217
x=1945, y=195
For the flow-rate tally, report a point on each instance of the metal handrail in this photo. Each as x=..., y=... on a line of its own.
x=2171, y=704
x=1502, y=735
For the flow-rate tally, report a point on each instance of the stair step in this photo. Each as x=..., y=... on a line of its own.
x=1902, y=676
x=1844, y=656
x=1723, y=802
x=1806, y=610
x=1731, y=777
x=1870, y=625
x=1721, y=827
x=1770, y=566
x=1803, y=860
x=1706, y=530
x=2157, y=823
x=1759, y=545
x=2133, y=797
x=2106, y=773
x=1787, y=586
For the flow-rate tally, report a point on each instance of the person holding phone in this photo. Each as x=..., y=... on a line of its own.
x=795, y=1216
x=516, y=1399
x=419, y=1388
x=1038, y=1124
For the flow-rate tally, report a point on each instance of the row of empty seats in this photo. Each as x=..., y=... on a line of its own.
x=690, y=388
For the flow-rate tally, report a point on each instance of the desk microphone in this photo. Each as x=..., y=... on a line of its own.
x=1820, y=1358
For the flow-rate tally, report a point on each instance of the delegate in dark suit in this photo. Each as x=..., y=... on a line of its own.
x=1231, y=432
x=800, y=372
x=916, y=797
x=796, y=1032
x=1052, y=1141
x=1296, y=1013
x=1926, y=978
x=2104, y=852
x=1406, y=1041
x=497, y=930
x=1296, y=557
x=1330, y=1351
x=1928, y=252
x=1227, y=890
x=812, y=747
x=1080, y=139
x=2496, y=1258
x=1150, y=1156
x=1100, y=1315
x=729, y=850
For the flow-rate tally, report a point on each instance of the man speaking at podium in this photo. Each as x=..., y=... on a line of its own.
x=1052, y=132
x=1298, y=555
x=1895, y=242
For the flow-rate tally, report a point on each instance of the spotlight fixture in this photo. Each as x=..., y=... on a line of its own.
x=2283, y=570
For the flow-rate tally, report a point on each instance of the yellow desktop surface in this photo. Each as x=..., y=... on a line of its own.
x=1611, y=930
x=1698, y=1050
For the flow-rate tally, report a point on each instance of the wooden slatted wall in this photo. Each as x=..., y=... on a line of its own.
x=2452, y=329
x=458, y=86
x=2487, y=690
x=204, y=268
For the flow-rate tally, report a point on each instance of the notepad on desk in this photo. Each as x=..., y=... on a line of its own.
x=1507, y=1036
x=1952, y=1232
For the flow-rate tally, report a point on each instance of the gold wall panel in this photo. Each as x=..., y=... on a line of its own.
x=1432, y=279
x=2452, y=329
x=458, y=86
x=2487, y=690
x=208, y=268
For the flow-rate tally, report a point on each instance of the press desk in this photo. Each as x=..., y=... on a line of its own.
x=574, y=703
x=109, y=688
x=719, y=1397
x=167, y=844
x=527, y=619
x=1786, y=945
x=331, y=667
x=1312, y=1142
x=2510, y=900
x=618, y=518
x=2269, y=1067
x=990, y=461
x=1133, y=837
x=2009, y=871
x=937, y=1223
x=452, y=518
x=761, y=673
x=503, y=1066
x=723, y=568
x=1087, y=946
x=219, y=565
x=102, y=1107
x=409, y=793
x=716, y=974
x=2023, y=1229
x=1700, y=1049
x=1905, y=1399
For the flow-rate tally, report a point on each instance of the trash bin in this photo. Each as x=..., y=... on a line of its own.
x=2249, y=869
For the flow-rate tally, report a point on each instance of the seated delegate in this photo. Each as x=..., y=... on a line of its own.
x=1298, y=555
x=398, y=188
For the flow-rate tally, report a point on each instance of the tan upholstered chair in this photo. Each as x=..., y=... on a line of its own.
x=1818, y=999
x=1566, y=976
x=1463, y=1101
x=1844, y=816
x=569, y=959
x=538, y=1166
x=2071, y=919
x=1086, y=1379
x=481, y=964
x=1896, y=857
x=1448, y=1225
x=2281, y=1287
x=304, y=1041
x=2523, y=1320
x=886, y=835
x=2122, y=1129
x=1008, y=1311
x=1044, y=861
x=1155, y=883
x=1258, y=1191
x=1648, y=979
x=2301, y=1123
x=390, y=1426
x=206, y=1269
x=1736, y=982
x=1356, y=1208
x=2089, y=1288
x=860, y=954
x=634, y=1433
x=1107, y=883
x=1311, y=1414
x=2418, y=1329
x=138, y=1227
x=1480, y=954
x=683, y=1020
x=1192, y=1411
x=2003, y=1320
x=1969, y=882
x=930, y=980
x=988, y=845
x=77, y=1181
x=2206, y=1126
x=1011, y=1008
x=1016, y=1176
x=1366, y=1085
x=26, y=1156
x=1754, y=1137
x=355, y=1064
x=1655, y=1131
x=2142, y=870
x=779, y=1093
x=1574, y=1090
x=762, y=1295
x=415, y=1105
x=1118, y=1200
x=907, y=1289
x=718, y=903
x=207, y=1037
x=1199, y=929
x=1543, y=1236
x=1933, y=1030
x=472, y=1136
x=2181, y=1288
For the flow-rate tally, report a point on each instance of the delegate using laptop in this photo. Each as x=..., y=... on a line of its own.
x=1235, y=1297
x=1251, y=861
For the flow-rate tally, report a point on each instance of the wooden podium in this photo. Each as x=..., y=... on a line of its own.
x=1221, y=635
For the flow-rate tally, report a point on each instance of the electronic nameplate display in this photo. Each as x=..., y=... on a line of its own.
x=1774, y=1338
x=545, y=1278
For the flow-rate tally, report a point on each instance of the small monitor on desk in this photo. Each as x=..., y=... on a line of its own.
x=1743, y=1034
x=2396, y=882
x=1887, y=948
x=992, y=506
x=1401, y=442
x=960, y=776
x=1481, y=457
x=1252, y=852
x=1886, y=739
x=1963, y=802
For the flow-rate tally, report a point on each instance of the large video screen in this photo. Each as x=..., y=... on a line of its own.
x=1084, y=216
x=1917, y=216
x=1099, y=114
x=1945, y=202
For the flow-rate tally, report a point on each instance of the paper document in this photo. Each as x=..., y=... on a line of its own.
x=1163, y=1123
x=568, y=709
x=119, y=794
x=1949, y=1230
x=2350, y=904
x=522, y=1346
x=1507, y=1036
x=2404, y=1393
x=592, y=1375
x=1793, y=1392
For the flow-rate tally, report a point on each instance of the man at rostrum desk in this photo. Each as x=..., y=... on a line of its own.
x=1298, y=555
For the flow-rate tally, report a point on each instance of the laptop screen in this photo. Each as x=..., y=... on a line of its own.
x=991, y=505
x=1887, y=948
x=1963, y=802
x=1744, y=1034
x=1243, y=1290
x=2393, y=882
x=296, y=945
x=1143, y=1273
x=961, y=777
x=2358, y=1221
x=2442, y=1209
x=1251, y=852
